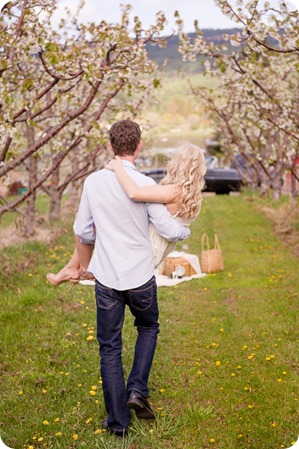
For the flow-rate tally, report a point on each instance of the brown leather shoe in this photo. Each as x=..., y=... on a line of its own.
x=141, y=406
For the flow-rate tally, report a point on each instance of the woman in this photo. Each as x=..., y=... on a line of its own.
x=180, y=191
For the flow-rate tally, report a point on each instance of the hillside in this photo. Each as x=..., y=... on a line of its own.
x=174, y=58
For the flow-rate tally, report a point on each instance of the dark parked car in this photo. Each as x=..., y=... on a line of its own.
x=219, y=180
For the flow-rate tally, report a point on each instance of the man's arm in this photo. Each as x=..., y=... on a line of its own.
x=165, y=224
x=84, y=231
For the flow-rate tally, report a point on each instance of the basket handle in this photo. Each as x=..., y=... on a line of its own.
x=205, y=240
x=217, y=246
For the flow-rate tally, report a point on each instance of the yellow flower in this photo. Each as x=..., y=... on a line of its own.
x=233, y=374
x=20, y=393
x=279, y=380
x=218, y=363
x=88, y=421
x=212, y=440
x=45, y=423
x=92, y=393
x=40, y=439
x=75, y=436
x=30, y=447
x=97, y=431
x=56, y=419
x=250, y=406
x=89, y=338
x=162, y=390
x=58, y=434
x=93, y=387
x=199, y=372
x=44, y=391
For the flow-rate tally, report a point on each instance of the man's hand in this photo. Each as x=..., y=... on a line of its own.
x=114, y=164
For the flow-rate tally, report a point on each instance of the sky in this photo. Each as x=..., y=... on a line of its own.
x=205, y=11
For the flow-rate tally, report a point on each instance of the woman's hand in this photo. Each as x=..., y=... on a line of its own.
x=114, y=163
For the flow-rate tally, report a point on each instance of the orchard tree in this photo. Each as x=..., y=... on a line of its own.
x=256, y=104
x=60, y=90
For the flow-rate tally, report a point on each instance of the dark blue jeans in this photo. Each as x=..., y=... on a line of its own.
x=111, y=303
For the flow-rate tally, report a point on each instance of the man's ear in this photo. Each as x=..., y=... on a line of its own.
x=111, y=148
x=139, y=147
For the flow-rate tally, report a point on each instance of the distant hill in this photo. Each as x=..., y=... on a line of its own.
x=174, y=58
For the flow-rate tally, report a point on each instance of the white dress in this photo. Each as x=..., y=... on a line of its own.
x=162, y=247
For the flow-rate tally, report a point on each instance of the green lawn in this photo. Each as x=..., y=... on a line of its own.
x=225, y=374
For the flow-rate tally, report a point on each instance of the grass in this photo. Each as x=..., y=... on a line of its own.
x=226, y=366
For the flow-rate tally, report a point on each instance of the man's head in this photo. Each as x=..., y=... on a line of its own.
x=125, y=137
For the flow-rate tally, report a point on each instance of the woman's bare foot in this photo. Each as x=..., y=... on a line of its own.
x=65, y=274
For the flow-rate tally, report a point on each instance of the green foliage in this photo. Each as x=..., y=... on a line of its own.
x=224, y=374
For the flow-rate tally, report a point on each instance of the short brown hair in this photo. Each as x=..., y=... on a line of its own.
x=124, y=137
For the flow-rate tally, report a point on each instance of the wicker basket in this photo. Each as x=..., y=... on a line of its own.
x=211, y=259
x=170, y=264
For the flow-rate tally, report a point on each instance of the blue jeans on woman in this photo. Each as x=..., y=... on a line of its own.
x=111, y=303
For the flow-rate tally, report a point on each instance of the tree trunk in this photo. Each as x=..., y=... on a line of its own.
x=276, y=185
x=55, y=196
x=55, y=205
x=294, y=183
x=29, y=218
x=74, y=186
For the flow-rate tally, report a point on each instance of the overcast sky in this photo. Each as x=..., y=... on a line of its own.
x=205, y=11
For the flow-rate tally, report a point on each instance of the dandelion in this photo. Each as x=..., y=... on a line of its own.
x=75, y=436
x=250, y=406
x=162, y=390
x=279, y=380
x=92, y=393
x=218, y=363
x=284, y=373
x=20, y=393
x=45, y=423
x=40, y=439
x=97, y=431
x=212, y=440
x=274, y=424
x=89, y=338
x=56, y=419
x=58, y=434
x=199, y=372
x=232, y=374
x=30, y=447
x=44, y=391
x=93, y=387
x=88, y=421
x=221, y=330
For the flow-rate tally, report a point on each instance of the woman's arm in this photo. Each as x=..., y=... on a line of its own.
x=152, y=193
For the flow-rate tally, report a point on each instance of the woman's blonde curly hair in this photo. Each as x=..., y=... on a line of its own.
x=187, y=168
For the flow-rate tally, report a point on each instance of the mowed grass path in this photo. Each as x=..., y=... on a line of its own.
x=225, y=373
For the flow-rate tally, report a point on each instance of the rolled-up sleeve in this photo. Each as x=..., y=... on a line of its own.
x=165, y=224
x=84, y=224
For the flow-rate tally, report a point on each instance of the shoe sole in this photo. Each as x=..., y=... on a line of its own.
x=141, y=410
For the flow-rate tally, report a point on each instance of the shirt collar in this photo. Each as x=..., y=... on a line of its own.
x=128, y=164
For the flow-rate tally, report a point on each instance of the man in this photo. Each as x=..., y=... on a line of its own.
x=122, y=264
